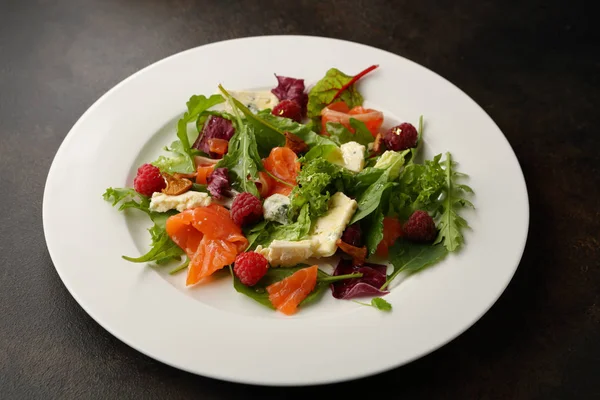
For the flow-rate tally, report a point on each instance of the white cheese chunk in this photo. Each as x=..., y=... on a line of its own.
x=254, y=100
x=161, y=202
x=354, y=156
x=329, y=227
x=286, y=253
x=322, y=241
x=275, y=208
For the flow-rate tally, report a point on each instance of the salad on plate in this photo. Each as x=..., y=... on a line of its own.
x=268, y=187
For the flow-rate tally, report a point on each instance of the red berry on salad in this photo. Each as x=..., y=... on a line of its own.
x=288, y=109
x=420, y=227
x=148, y=180
x=401, y=137
x=250, y=267
x=245, y=209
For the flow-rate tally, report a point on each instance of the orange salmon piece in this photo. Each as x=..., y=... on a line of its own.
x=289, y=292
x=209, y=237
x=211, y=256
x=282, y=163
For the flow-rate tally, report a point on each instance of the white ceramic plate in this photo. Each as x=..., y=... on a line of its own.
x=216, y=332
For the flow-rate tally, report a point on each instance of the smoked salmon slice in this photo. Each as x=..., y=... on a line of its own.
x=282, y=163
x=209, y=237
x=289, y=292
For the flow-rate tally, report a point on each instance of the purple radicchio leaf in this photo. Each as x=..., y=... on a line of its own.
x=374, y=276
x=218, y=183
x=353, y=235
x=215, y=127
x=291, y=89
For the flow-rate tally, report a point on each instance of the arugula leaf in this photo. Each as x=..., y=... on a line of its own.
x=162, y=248
x=340, y=134
x=304, y=132
x=180, y=268
x=327, y=88
x=413, y=257
x=242, y=159
x=450, y=223
x=267, y=135
x=415, y=150
x=374, y=231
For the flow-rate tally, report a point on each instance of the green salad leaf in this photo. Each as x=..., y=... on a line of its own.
x=325, y=90
x=420, y=188
x=267, y=134
x=178, y=161
x=162, y=248
x=329, y=152
x=363, y=180
x=242, y=159
x=378, y=303
x=264, y=232
x=374, y=230
x=317, y=181
x=295, y=231
x=195, y=105
x=304, y=132
x=381, y=304
x=340, y=134
x=413, y=257
x=450, y=223
x=256, y=234
x=370, y=199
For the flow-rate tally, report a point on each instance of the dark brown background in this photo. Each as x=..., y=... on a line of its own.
x=533, y=65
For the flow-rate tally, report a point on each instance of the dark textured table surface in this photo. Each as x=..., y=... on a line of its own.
x=534, y=66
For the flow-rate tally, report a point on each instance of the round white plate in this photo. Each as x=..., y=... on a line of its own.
x=212, y=330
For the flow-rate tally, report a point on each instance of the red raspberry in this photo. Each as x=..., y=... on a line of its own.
x=401, y=137
x=246, y=209
x=148, y=180
x=288, y=109
x=250, y=267
x=420, y=227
